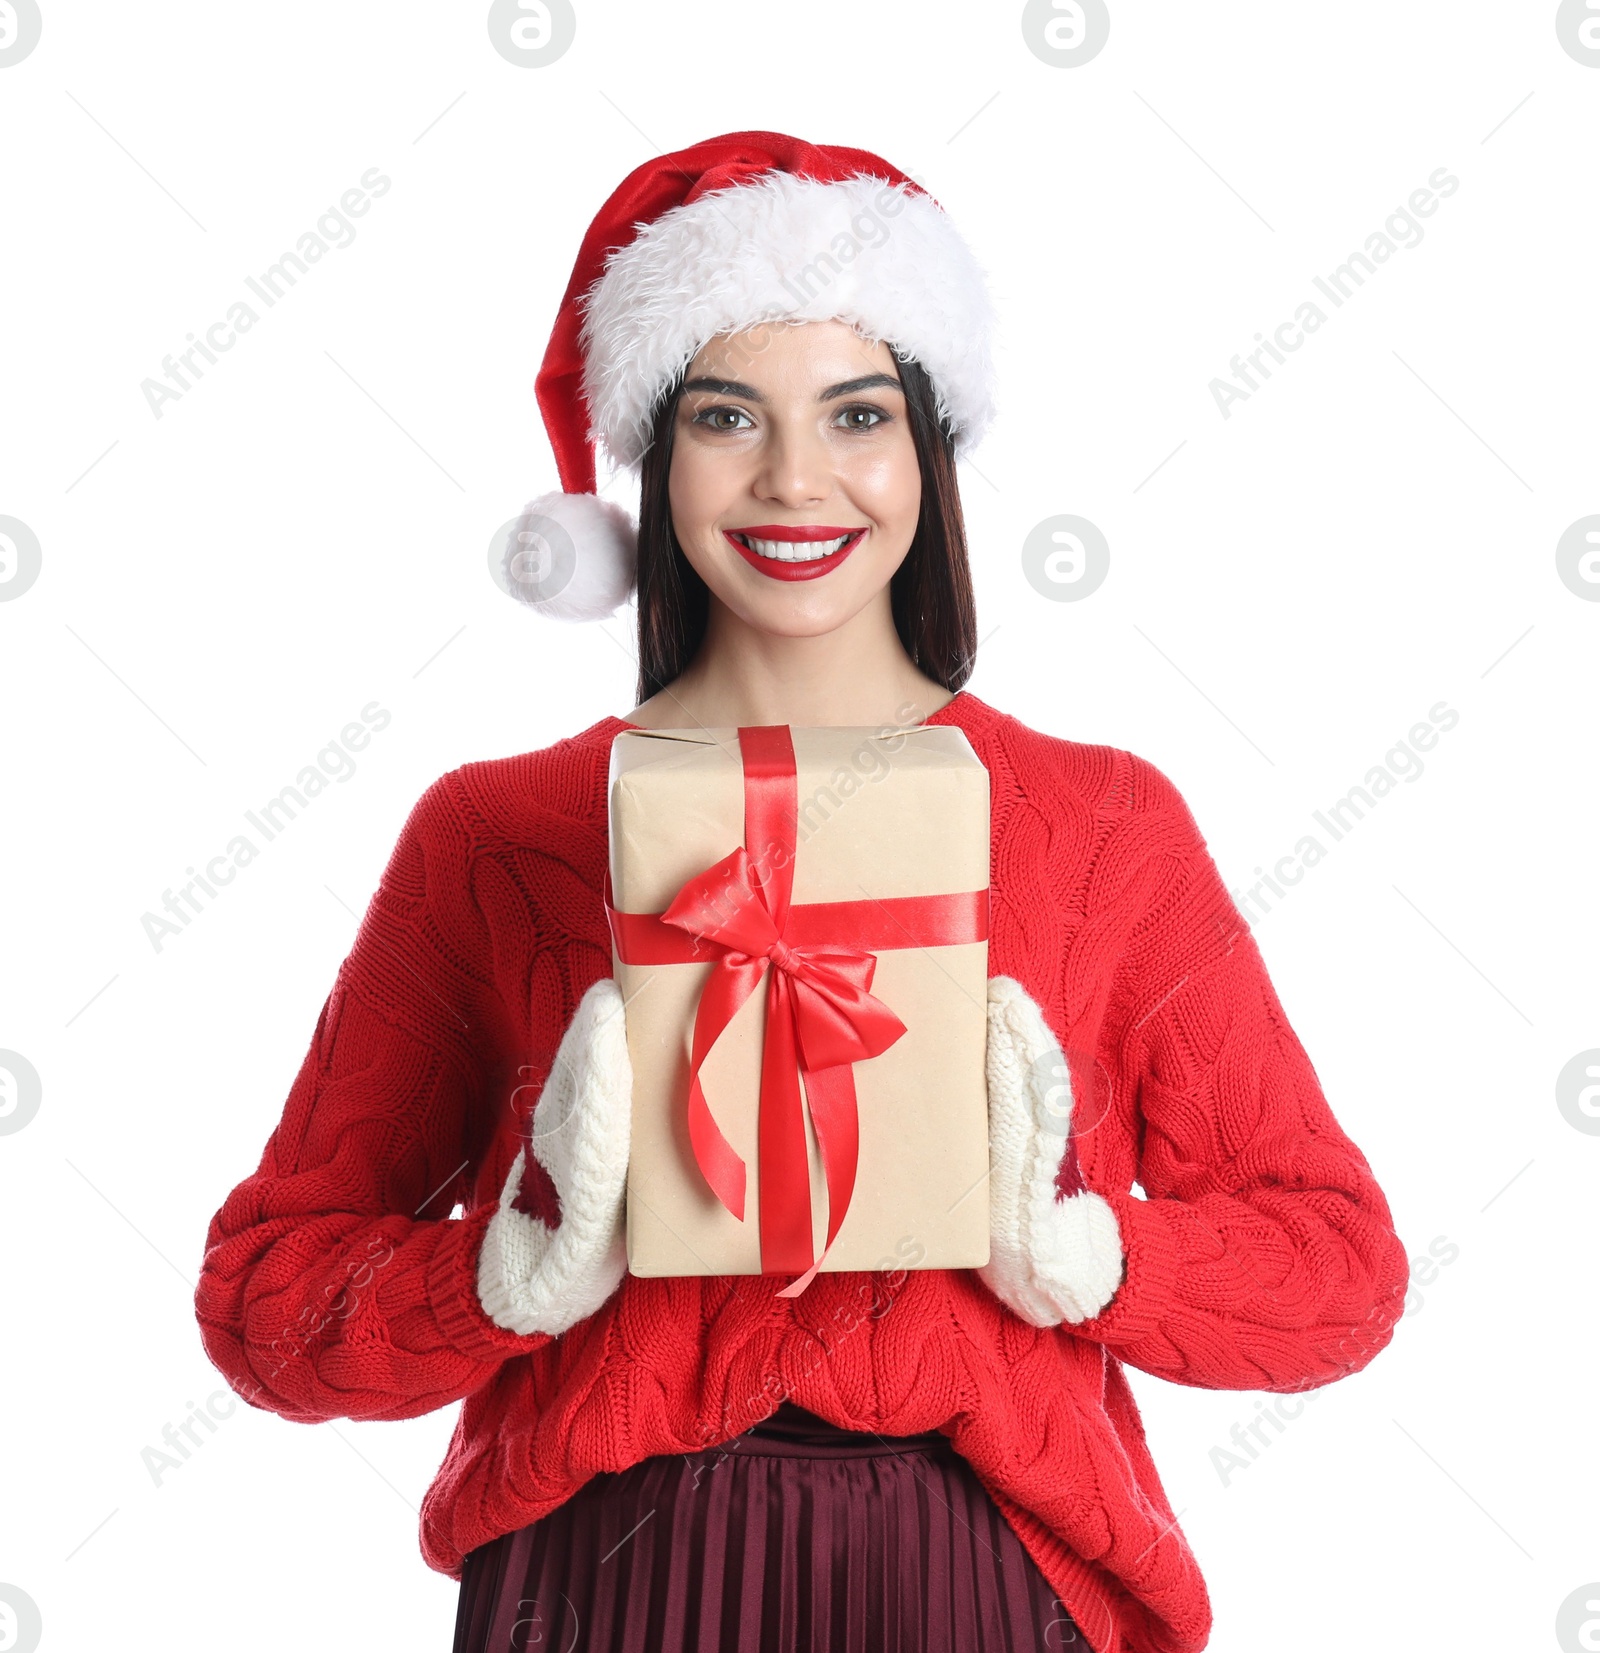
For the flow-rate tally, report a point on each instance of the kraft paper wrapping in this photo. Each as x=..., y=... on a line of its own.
x=882, y=813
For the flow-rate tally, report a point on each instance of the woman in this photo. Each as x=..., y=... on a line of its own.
x=791, y=343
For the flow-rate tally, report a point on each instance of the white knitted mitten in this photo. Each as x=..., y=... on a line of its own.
x=532, y=1278
x=1049, y=1259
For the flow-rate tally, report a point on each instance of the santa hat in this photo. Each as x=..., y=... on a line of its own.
x=747, y=228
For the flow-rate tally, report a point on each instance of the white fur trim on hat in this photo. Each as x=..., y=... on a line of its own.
x=878, y=255
x=1050, y=1259
x=571, y=556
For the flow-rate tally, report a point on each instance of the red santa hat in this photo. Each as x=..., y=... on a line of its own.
x=747, y=228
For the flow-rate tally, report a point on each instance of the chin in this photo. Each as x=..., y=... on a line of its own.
x=791, y=618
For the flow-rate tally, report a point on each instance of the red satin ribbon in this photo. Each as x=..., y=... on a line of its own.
x=821, y=1018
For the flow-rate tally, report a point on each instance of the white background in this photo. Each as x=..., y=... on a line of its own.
x=307, y=530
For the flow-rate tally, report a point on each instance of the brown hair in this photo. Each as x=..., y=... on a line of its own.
x=930, y=593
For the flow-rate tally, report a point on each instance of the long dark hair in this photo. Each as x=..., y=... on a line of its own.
x=930, y=593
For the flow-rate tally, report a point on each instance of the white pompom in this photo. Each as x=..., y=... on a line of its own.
x=571, y=557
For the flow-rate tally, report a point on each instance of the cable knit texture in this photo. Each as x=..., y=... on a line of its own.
x=1260, y=1253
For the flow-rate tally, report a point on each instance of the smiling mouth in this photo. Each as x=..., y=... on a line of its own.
x=798, y=550
x=794, y=553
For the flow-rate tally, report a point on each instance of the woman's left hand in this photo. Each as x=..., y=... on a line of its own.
x=539, y=1275
x=1053, y=1257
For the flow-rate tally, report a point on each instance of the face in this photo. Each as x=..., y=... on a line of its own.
x=794, y=484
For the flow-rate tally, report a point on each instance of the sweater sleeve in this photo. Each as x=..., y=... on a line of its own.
x=1263, y=1255
x=332, y=1286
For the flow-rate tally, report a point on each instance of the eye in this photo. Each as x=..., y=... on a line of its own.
x=860, y=416
x=723, y=418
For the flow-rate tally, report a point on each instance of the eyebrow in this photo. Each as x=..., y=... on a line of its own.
x=848, y=387
x=868, y=381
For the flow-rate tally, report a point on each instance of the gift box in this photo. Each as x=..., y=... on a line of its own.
x=799, y=922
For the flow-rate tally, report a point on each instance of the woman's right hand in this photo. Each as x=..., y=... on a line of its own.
x=535, y=1278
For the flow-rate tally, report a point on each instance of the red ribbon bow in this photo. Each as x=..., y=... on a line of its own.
x=821, y=1018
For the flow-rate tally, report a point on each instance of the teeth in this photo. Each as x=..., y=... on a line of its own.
x=796, y=550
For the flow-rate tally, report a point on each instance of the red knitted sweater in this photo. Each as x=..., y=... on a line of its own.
x=1260, y=1251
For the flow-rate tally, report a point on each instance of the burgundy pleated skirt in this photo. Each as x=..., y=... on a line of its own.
x=795, y=1537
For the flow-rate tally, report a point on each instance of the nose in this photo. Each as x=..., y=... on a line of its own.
x=795, y=470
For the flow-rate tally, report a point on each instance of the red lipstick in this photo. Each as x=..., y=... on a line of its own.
x=778, y=567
